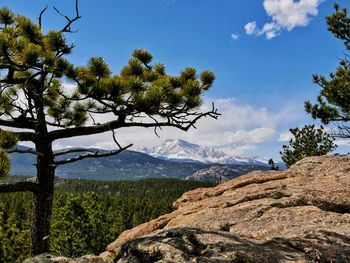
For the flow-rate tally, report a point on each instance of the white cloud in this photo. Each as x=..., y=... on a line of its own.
x=240, y=130
x=342, y=142
x=240, y=150
x=285, y=136
x=254, y=136
x=285, y=15
x=234, y=37
x=250, y=28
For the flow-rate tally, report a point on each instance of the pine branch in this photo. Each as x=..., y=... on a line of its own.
x=14, y=81
x=71, y=150
x=24, y=136
x=87, y=130
x=23, y=123
x=120, y=123
x=30, y=151
x=25, y=186
x=91, y=155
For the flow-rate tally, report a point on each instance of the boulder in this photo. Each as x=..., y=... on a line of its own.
x=298, y=215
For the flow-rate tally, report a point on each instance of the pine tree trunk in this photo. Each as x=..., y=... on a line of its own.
x=43, y=197
x=40, y=228
x=42, y=203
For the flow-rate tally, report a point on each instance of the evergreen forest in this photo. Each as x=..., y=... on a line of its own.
x=87, y=215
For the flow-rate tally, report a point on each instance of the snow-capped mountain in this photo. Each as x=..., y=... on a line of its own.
x=182, y=151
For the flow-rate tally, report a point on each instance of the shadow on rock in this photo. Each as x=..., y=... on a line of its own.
x=199, y=245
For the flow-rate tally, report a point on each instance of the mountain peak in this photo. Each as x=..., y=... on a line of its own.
x=184, y=151
x=179, y=142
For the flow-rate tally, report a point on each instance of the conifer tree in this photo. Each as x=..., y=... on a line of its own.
x=273, y=166
x=35, y=101
x=308, y=141
x=333, y=103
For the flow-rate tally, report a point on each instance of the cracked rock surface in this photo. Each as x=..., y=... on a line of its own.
x=298, y=215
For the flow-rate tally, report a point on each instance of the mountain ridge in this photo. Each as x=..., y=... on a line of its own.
x=128, y=165
x=184, y=151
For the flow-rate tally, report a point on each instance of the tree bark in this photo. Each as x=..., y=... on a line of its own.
x=43, y=198
x=42, y=201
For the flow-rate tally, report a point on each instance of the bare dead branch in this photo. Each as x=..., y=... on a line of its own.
x=25, y=186
x=91, y=155
x=115, y=139
x=70, y=21
x=155, y=128
x=41, y=15
x=58, y=124
x=340, y=131
x=93, y=119
x=71, y=150
x=30, y=151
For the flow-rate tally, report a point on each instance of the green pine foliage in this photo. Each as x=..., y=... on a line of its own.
x=333, y=102
x=15, y=211
x=4, y=164
x=309, y=141
x=273, y=167
x=87, y=215
x=7, y=141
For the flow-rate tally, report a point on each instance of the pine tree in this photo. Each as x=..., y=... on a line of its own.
x=37, y=103
x=308, y=141
x=333, y=103
x=273, y=166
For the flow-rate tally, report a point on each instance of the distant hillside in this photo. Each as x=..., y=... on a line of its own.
x=126, y=165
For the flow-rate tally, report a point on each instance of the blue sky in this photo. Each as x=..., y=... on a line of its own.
x=261, y=83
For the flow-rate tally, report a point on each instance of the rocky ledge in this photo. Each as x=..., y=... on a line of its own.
x=298, y=215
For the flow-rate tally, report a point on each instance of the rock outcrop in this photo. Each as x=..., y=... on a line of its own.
x=298, y=215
